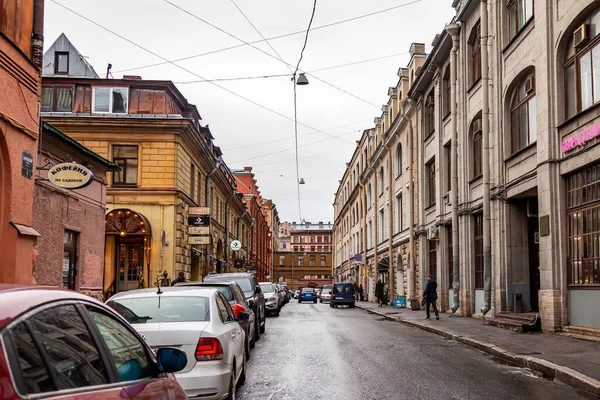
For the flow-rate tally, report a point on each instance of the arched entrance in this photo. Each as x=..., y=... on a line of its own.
x=128, y=240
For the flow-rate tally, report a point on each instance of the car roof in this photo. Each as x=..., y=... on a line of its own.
x=18, y=299
x=232, y=274
x=201, y=283
x=165, y=292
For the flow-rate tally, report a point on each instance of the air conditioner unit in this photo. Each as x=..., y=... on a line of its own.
x=529, y=85
x=581, y=35
x=432, y=232
x=477, y=125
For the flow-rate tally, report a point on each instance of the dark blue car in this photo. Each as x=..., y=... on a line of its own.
x=307, y=294
x=343, y=294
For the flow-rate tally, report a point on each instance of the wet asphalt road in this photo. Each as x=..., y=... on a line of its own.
x=312, y=351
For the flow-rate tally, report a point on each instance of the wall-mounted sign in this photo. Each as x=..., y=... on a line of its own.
x=198, y=230
x=27, y=164
x=199, y=211
x=236, y=245
x=581, y=138
x=198, y=220
x=198, y=239
x=238, y=263
x=70, y=175
x=358, y=257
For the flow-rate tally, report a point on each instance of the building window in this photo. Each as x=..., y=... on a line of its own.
x=312, y=239
x=301, y=239
x=448, y=155
x=477, y=147
x=323, y=260
x=326, y=238
x=523, y=115
x=312, y=248
x=430, y=168
x=193, y=183
x=126, y=157
x=319, y=239
x=519, y=13
x=399, y=217
x=296, y=239
x=429, y=114
x=282, y=260
x=478, y=219
x=446, y=93
x=433, y=257
x=399, y=160
x=381, y=223
x=319, y=248
x=582, y=67
x=370, y=196
x=199, y=189
x=69, y=268
x=61, y=63
x=57, y=99
x=450, y=262
x=300, y=260
x=475, y=46
x=110, y=100
x=312, y=261
x=370, y=235
x=381, y=180
x=583, y=227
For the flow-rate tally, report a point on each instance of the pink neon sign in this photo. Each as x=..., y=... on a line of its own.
x=580, y=138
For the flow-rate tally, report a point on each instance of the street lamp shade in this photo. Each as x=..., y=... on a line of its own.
x=301, y=181
x=302, y=80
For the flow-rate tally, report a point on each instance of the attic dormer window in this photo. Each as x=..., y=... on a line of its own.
x=110, y=100
x=61, y=63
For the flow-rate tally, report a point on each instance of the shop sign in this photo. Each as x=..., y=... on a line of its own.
x=198, y=230
x=26, y=164
x=580, y=138
x=198, y=220
x=199, y=211
x=238, y=263
x=198, y=239
x=70, y=176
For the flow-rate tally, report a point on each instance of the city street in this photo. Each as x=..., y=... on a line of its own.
x=313, y=351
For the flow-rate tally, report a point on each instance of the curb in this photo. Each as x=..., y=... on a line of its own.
x=549, y=370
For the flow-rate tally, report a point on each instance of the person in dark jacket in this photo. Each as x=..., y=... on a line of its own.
x=430, y=294
x=180, y=278
x=379, y=292
x=361, y=292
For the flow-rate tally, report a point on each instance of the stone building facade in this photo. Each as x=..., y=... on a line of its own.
x=508, y=92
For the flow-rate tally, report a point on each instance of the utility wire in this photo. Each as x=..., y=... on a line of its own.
x=305, y=158
x=266, y=53
x=272, y=38
x=232, y=79
x=187, y=70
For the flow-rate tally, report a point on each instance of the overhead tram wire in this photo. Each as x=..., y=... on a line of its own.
x=187, y=70
x=271, y=38
x=305, y=158
x=266, y=53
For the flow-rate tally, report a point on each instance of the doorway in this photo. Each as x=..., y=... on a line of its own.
x=130, y=261
x=533, y=236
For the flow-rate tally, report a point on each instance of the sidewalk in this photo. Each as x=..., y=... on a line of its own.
x=573, y=362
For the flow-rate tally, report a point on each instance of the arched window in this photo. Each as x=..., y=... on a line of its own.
x=582, y=67
x=477, y=146
x=523, y=114
x=446, y=92
x=381, y=180
x=399, y=160
x=429, y=114
x=370, y=196
x=475, y=59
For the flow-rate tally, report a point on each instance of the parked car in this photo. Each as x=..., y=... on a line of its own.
x=318, y=292
x=296, y=294
x=235, y=295
x=307, y=294
x=343, y=294
x=325, y=296
x=273, y=299
x=253, y=293
x=61, y=344
x=283, y=294
x=201, y=323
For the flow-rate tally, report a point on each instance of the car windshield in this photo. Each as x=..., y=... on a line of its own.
x=267, y=287
x=156, y=309
x=326, y=291
x=307, y=290
x=223, y=289
x=343, y=287
x=243, y=282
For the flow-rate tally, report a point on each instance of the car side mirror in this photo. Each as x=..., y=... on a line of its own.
x=257, y=290
x=243, y=316
x=170, y=359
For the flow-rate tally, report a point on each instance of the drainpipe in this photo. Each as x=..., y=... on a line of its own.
x=37, y=36
x=227, y=228
x=485, y=159
x=249, y=239
x=453, y=30
x=411, y=214
x=207, y=204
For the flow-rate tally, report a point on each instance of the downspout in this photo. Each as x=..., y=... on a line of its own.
x=37, y=36
x=207, y=204
x=485, y=159
x=249, y=252
x=453, y=30
x=239, y=227
x=233, y=194
x=411, y=213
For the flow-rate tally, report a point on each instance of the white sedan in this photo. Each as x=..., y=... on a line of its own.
x=325, y=296
x=199, y=322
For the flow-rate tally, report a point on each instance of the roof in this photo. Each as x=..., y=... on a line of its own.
x=110, y=165
x=76, y=69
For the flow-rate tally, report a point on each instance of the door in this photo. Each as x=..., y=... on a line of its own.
x=231, y=335
x=534, y=262
x=130, y=263
x=69, y=267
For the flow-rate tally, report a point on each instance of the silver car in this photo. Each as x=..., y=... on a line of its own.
x=325, y=296
x=273, y=298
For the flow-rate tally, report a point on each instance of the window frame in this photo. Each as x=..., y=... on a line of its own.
x=110, y=99
x=510, y=4
x=381, y=180
x=515, y=108
x=124, y=171
x=55, y=97
x=475, y=54
x=398, y=160
x=429, y=114
x=431, y=192
x=57, y=54
x=446, y=93
x=432, y=255
x=477, y=148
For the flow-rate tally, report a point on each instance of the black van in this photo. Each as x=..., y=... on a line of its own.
x=342, y=294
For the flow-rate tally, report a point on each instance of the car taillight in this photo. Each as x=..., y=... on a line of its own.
x=333, y=296
x=209, y=349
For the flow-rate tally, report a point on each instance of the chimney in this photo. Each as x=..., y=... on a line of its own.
x=249, y=169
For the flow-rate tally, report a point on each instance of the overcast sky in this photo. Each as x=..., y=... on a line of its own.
x=248, y=134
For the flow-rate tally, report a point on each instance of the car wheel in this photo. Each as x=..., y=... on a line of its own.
x=331, y=305
x=352, y=305
x=232, y=394
x=276, y=313
x=257, y=332
x=299, y=301
x=321, y=301
x=315, y=301
x=242, y=378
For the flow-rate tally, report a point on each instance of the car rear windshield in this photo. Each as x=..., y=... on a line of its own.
x=244, y=283
x=157, y=309
x=307, y=290
x=267, y=288
x=344, y=287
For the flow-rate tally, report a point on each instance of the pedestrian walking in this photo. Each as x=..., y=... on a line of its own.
x=361, y=292
x=430, y=295
x=355, y=291
x=180, y=278
x=379, y=292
